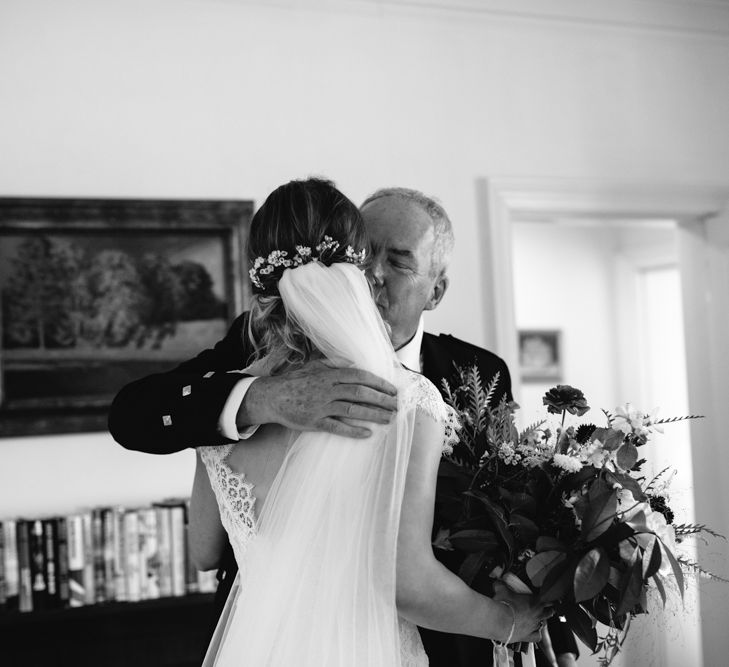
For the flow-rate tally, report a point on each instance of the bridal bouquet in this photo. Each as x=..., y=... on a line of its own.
x=564, y=507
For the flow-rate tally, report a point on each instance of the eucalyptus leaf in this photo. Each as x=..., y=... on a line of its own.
x=651, y=558
x=591, y=574
x=610, y=438
x=557, y=584
x=601, y=510
x=630, y=588
x=660, y=587
x=582, y=625
x=473, y=540
x=677, y=572
x=627, y=455
x=539, y=566
x=496, y=514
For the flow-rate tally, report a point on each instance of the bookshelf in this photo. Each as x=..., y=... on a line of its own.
x=167, y=632
x=107, y=586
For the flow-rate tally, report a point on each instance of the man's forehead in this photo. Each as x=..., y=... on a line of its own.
x=396, y=222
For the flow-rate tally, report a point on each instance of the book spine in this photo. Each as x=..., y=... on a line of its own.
x=38, y=565
x=120, y=583
x=191, y=583
x=149, y=553
x=89, y=568
x=165, y=551
x=64, y=592
x=76, y=561
x=178, y=559
x=131, y=555
x=97, y=527
x=109, y=526
x=25, y=597
x=10, y=557
x=50, y=548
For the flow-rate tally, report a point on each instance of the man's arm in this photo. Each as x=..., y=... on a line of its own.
x=169, y=412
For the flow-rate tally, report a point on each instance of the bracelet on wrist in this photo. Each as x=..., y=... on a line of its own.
x=513, y=623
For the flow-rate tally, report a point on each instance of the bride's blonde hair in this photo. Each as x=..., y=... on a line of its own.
x=298, y=214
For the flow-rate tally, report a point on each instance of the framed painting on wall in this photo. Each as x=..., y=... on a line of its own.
x=540, y=355
x=95, y=293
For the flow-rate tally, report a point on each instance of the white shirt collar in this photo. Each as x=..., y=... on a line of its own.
x=409, y=354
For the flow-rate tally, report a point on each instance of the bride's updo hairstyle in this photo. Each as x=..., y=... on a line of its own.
x=300, y=216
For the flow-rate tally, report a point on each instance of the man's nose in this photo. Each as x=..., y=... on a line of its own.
x=376, y=273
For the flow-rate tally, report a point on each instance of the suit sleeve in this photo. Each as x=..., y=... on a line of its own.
x=168, y=412
x=563, y=641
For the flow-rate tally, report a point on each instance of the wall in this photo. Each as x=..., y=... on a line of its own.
x=227, y=98
x=563, y=280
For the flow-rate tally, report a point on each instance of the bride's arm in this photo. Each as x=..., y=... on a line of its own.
x=207, y=535
x=428, y=594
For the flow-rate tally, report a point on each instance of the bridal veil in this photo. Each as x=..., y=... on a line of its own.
x=317, y=588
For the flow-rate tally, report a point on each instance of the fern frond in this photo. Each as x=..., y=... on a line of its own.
x=691, y=566
x=531, y=428
x=608, y=415
x=652, y=483
x=670, y=420
x=688, y=529
x=492, y=388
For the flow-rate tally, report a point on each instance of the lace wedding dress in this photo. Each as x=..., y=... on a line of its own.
x=236, y=499
x=316, y=583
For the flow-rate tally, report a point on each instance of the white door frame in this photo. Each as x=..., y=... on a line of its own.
x=503, y=201
x=704, y=264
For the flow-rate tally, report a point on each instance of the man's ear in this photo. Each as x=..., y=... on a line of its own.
x=436, y=294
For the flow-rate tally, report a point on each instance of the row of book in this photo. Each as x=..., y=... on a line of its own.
x=101, y=555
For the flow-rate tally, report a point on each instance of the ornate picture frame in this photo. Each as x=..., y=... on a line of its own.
x=97, y=292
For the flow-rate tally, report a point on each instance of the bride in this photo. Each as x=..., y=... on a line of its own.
x=332, y=535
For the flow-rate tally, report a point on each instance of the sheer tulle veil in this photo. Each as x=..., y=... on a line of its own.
x=317, y=588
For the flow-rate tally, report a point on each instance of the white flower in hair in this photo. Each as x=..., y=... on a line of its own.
x=351, y=255
x=264, y=266
x=327, y=244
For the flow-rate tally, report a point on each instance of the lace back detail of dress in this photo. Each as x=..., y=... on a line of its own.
x=235, y=497
x=424, y=394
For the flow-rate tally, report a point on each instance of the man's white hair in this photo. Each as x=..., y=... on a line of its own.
x=442, y=228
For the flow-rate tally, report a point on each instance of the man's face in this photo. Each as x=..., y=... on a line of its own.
x=402, y=238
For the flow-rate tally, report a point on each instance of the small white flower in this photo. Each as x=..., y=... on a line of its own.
x=567, y=462
x=303, y=251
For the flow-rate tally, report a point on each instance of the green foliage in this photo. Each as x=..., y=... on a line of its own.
x=579, y=536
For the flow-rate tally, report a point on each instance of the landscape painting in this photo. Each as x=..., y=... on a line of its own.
x=87, y=308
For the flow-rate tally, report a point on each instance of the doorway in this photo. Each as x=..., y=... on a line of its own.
x=611, y=290
x=702, y=232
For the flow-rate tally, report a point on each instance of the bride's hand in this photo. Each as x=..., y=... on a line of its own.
x=530, y=616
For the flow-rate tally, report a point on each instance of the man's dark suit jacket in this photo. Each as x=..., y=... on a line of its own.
x=156, y=416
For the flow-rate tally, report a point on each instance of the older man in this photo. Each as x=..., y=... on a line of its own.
x=203, y=403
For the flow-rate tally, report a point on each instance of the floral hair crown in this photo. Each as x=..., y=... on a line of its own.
x=278, y=261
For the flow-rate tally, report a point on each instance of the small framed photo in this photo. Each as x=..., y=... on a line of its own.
x=540, y=355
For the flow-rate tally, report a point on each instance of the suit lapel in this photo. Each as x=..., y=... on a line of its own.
x=437, y=362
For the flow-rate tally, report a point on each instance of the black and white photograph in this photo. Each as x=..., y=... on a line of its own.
x=369, y=333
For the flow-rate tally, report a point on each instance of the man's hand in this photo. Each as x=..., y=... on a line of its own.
x=320, y=397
